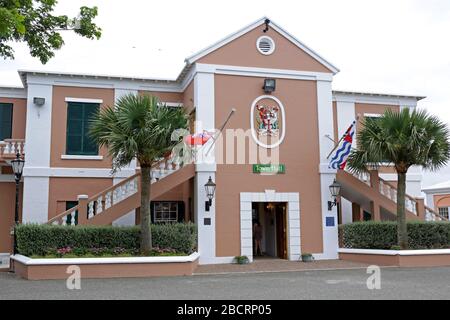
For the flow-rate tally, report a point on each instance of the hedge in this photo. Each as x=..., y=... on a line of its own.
x=383, y=235
x=40, y=240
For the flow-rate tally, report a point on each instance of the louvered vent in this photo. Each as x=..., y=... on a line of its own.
x=265, y=45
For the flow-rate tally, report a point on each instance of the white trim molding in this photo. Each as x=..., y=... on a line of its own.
x=76, y=172
x=75, y=157
x=13, y=92
x=292, y=218
x=86, y=261
x=83, y=100
x=396, y=252
x=263, y=72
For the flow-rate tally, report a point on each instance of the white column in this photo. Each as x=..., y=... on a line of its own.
x=130, y=218
x=37, y=144
x=346, y=114
x=205, y=167
x=327, y=176
x=119, y=93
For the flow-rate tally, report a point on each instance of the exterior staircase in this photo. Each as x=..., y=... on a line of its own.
x=381, y=197
x=114, y=202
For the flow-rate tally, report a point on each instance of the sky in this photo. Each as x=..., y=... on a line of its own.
x=386, y=46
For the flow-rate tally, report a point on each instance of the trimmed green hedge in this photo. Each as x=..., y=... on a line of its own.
x=383, y=235
x=41, y=240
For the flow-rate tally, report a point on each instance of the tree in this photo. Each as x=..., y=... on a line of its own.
x=32, y=21
x=404, y=139
x=138, y=127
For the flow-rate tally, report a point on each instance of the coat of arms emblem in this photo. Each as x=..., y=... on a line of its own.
x=268, y=120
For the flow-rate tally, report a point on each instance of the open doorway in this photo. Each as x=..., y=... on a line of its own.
x=270, y=229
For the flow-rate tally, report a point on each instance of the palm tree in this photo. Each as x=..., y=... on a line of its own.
x=403, y=139
x=138, y=127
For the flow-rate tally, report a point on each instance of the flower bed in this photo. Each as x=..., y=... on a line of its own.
x=104, y=241
x=47, y=252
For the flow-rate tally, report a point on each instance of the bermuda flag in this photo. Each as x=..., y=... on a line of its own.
x=339, y=160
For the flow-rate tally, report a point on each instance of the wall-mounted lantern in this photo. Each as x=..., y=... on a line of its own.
x=39, y=101
x=210, y=188
x=335, y=190
x=269, y=85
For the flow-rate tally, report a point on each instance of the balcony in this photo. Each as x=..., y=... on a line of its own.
x=10, y=147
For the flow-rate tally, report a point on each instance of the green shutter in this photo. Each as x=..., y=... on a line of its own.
x=6, y=110
x=78, y=140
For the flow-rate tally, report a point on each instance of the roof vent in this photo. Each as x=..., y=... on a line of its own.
x=265, y=45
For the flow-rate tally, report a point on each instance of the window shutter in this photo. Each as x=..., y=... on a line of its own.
x=6, y=111
x=78, y=139
x=181, y=211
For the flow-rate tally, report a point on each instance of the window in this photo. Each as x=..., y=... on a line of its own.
x=78, y=140
x=443, y=212
x=6, y=111
x=164, y=212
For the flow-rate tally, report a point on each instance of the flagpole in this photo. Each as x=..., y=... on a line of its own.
x=221, y=129
x=343, y=137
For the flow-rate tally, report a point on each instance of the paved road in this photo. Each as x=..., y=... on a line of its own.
x=430, y=283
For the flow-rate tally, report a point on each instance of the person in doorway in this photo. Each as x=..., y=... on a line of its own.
x=257, y=234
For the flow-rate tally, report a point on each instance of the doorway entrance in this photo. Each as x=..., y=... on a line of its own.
x=270, y=229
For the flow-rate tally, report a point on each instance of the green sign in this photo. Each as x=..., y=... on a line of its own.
x=269, y=168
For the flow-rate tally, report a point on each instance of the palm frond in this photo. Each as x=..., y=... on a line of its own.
x=137, y=127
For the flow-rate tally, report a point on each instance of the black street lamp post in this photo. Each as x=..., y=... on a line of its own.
x=17, y=166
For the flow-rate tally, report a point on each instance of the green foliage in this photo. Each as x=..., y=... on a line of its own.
x=404, y=139
x=138, y=126
x=383, y=235
x=241, y=260
x=44, y=240
x=33, y=22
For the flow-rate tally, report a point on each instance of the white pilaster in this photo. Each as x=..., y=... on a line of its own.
x=37, y=144
x=326, y=128
x=206, y=221
x=119, y=93
x=346, y=114
x=130, y=218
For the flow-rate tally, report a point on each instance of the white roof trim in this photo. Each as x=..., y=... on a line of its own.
x=443, y=186
x=376, y=94
x=13, y=92
x=252, y=26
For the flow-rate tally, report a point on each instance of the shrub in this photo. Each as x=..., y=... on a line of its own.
x=383, y=235
x=42, y=240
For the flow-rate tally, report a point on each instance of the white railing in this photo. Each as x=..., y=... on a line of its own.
x=431, y=215
x=10, y=147
x=106, y=199
x=390, y=192
x=163, y=168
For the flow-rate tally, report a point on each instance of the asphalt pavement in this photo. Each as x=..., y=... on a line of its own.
x=396, y=283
